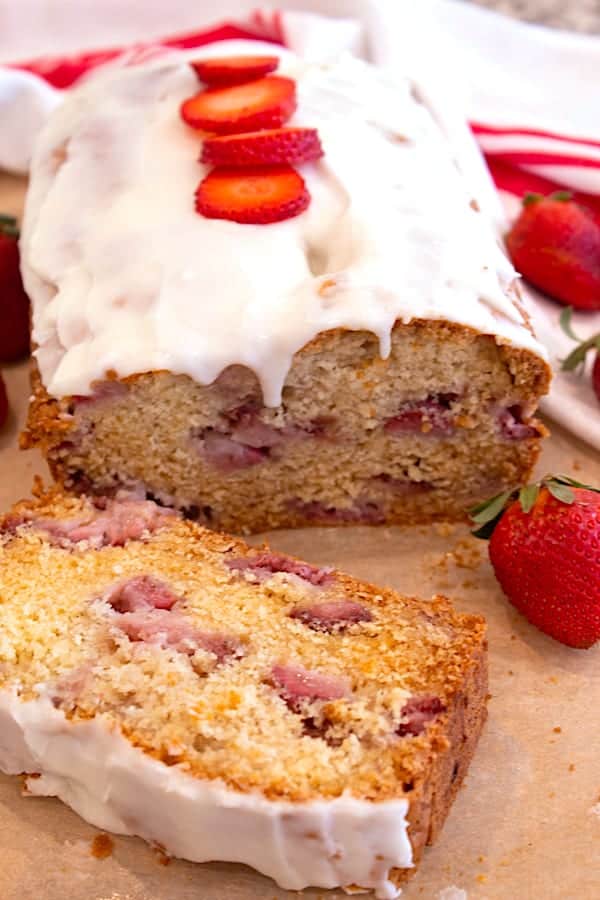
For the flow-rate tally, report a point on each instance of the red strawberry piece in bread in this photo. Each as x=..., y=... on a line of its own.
x=3, y=402
x=555, y=244
x=544, y=547
x=224, y=70
x=576, y=359
x=265, y=103
x=14, y=303
x=257, y=195
x=272, y=146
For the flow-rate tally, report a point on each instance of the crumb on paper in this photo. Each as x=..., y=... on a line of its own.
x=510, y=672
x=557, y=729
x=444, y=529
x=452, y=893
x=553, y=679
x=571, y=767
x=552, y=794
x=481, y=879
x=576, y=465
x=102, y=845
x=162, y=858
x=481, y=859
x=467, y=553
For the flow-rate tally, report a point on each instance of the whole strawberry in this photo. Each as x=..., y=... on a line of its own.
x=14, y=304
x=545, y=550
x=555, y=244
x=3, y=402
x=576, y=359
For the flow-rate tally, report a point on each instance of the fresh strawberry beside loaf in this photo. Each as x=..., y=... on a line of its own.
x=227, y=702
x=322, y=329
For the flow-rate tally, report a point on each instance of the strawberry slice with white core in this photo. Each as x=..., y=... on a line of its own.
x=272, y=146
x=253, y=196
x=265, y=103
x=224, y=70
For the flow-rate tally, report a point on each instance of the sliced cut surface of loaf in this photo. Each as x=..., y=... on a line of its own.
x=445, y=422
x=227, y=702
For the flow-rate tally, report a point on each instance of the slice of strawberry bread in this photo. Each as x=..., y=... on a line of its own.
x=227, y=702
x=361, y=358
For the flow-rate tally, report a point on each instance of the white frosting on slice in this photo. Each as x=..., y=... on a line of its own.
x=115, y=786
x=124, y=274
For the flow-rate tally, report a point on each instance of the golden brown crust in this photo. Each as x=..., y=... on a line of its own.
x=453, y=747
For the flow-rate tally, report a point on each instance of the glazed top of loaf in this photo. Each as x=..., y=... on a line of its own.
x=125, y=276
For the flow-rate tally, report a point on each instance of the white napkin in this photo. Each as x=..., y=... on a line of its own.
x=530, y=94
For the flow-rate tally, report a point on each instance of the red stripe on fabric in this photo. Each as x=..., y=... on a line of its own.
x=519, y=182
x=532, y=158
x=519, y=131
x=278, y=18
x=62, y=72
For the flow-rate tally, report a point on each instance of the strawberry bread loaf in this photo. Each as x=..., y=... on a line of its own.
x=321, y=329
x=230, y=703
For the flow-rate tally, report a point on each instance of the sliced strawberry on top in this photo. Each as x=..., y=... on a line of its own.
x=272, y=146
x=253, y=196
x=234, y=69
x=266, y=103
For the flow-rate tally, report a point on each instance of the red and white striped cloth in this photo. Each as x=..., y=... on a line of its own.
x=521, y=158
x=531, y=96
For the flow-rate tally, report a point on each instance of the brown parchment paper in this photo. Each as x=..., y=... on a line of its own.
x=526, y=825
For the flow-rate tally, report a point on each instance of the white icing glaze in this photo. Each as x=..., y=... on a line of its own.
x=124, y=275
x=91, y=767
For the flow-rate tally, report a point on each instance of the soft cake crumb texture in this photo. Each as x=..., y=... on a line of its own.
x=225, y=720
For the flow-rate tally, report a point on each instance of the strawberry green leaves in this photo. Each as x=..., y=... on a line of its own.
x=576, y=359
x=487, y=514
x=8, y=226
x=528, y=495
x=530, y=197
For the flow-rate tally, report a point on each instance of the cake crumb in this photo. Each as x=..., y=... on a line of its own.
x=467, y=554
x=557, y=729
x=102, y=845
x=444, y=529
x=452, y=893
x=162, y=858
x=576, y=465
x=481, y=879
x=481, y=859
x=571, y=767
x=552, y=794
